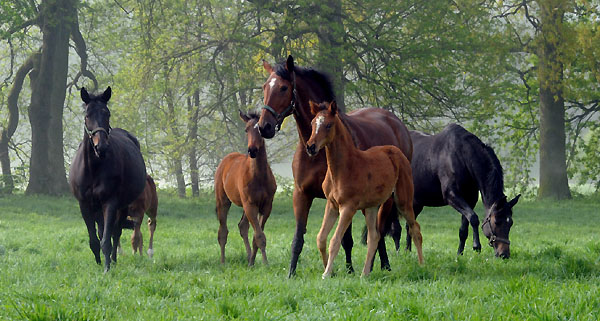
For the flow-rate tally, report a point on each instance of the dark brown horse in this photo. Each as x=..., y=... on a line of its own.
x=147, y=203
x=356, y=180
x=106, y=175
x=287, y=92
x=247, y=181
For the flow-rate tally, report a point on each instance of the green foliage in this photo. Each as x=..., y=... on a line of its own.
x=47, y=271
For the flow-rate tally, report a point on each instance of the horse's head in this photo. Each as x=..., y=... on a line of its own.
x=97, y=120
x=323, y=129
x=255, y=141
x=497, y=224
x=279, y=97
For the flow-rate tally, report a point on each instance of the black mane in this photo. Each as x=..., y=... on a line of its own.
x=320, y=78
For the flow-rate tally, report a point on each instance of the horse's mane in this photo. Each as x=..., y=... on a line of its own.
x=253, y=115
x=320, y=78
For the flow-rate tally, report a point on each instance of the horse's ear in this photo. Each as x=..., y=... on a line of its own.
x=106, y=95
x=289, y=64
x=514, y=201
x=267, y=66
x=84, y=95
x=243, y=116
x=333, y=108
x=314, y=107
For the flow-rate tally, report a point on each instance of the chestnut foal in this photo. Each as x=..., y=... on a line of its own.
x=358, y=180
x=247, y=181
x=147, y=203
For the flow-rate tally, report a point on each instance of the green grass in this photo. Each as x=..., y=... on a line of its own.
x=47, y=271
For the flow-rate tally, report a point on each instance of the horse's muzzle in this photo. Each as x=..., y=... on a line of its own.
x=311, y=150
x=267, y=131
x=252, y=152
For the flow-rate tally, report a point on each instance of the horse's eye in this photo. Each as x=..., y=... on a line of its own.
x=284, y=88
x=328, y=126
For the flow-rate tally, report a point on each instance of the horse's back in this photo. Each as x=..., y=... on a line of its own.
x=230, y=168
x=377, y=127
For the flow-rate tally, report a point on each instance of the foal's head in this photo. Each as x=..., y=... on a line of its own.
x=97, y=120
x=255, y=141
x=496, y=225
x=323, y=126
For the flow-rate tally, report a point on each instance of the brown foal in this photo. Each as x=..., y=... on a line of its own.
x=147, y=203
x=358, y=180
x=247, y=181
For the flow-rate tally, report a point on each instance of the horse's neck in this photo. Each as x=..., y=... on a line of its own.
x=259, y=164
x=302, y=115
x=340, y=151
x=489, y=180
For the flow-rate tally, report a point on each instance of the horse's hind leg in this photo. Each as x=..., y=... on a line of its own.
x=348, y=244
x=373, y=238
x=244, y=226
x=383, y=216
x=151, y=228
x=404, y=202
x=222, y=209
x=417, y=208
x=137, y=242
x=259, y=235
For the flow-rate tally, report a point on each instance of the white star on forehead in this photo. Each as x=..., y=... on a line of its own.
x=319, y=122
x=272, y=83
x=256, y=125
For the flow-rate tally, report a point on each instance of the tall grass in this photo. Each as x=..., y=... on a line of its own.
x=47, y=271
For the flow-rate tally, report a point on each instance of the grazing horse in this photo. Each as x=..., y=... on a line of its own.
x=286, y=92
x=247, y=181
x=356, y=180
x=451, y=168
x=106, y=175
x=147, y=203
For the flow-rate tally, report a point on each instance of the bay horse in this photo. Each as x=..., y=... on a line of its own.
x=358, y=179
x=286, y=92
x=451, y=168
x=146, y=203
x=106, y=175
x=247, y=181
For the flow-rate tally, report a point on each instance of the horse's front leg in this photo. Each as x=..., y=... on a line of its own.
x=259, y=241
x=110, y=219
x=459, y=204
x=302, y=203
x=373, y=237
x=116, y=235
x=329, y=218
x=346, y=215
x=90, y=222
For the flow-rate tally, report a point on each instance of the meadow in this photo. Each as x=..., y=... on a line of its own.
x=47, y=271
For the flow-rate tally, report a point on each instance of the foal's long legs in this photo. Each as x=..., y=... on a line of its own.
x=372, y=238
x=259, y=236
x=222, y=209
x=151, y=212
x=263, y=216
x=346, y=215
x=329, y=218
x=243, y=226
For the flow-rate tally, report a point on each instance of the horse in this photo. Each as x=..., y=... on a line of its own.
x=147, y=203
x=451, y=168
x=287, y=92
x=247, y=181
x=106, y=175
x=356, y=180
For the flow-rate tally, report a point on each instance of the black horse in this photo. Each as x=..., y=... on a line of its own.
x=451, y=168
x=107, y=174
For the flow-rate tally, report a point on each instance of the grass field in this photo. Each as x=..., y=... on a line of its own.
x=47, y=271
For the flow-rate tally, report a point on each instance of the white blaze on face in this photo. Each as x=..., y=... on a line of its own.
x=319, y=121
x=272, y=83
x=256, y=125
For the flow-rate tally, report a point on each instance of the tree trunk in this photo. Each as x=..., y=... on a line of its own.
x=176, y=155
x=331, y=34
x=13, y=121
x=47, y=164
x=553, y=162
x=193, y=110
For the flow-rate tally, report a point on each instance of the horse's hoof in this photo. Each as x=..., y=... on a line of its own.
x=326, y=276
x=150, y=252
x=291, y=274
x=477, y=249
x=386, y=267
x=350, y=269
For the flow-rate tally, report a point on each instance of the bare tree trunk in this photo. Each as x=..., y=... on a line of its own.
x=47, y=163
x=193, y=110
x=553, y=162
x=331, y=40
x=176, y=156
x=13, y=121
